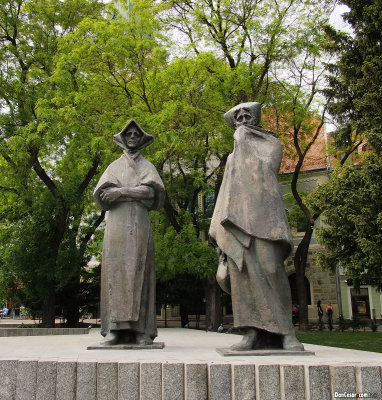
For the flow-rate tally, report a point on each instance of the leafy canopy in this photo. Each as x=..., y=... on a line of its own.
x=351, y=204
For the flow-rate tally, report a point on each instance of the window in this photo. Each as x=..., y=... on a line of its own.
x=360, y=302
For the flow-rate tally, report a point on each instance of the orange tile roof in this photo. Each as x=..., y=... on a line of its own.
x=316, y=157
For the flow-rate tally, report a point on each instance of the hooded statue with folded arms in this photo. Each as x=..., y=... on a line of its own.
x=128, y=189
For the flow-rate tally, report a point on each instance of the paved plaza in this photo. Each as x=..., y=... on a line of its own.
x=181, y=345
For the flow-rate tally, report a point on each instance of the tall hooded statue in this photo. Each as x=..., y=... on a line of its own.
x=250, y=229
x=128, y=189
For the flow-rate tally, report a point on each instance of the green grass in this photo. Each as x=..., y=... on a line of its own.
x=367, y=341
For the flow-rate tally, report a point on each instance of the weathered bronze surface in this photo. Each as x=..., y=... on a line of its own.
x=251, y=232
x=129, y=188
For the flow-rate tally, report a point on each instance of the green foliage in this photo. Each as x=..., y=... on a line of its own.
x=351, y=204
x=181, y=253
x=355, y=96
x=293, y=211
x=48, y=151
x=74, y=72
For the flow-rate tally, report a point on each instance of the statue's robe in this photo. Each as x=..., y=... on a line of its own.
x=250, y=226
x=128, y=271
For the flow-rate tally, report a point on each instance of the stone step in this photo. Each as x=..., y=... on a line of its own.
x=108, y=380
x=8, y=332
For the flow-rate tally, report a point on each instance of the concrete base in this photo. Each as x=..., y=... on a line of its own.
x=189, y=368
x=127, y=346
x=7, y=332
x=226, y=352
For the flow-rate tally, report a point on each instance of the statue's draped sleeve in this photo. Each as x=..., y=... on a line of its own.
x=146, y=174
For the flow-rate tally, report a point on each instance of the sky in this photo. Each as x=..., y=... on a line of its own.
x=336, y=18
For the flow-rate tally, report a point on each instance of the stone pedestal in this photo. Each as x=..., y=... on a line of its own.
x=226, y=351
x=156, y=345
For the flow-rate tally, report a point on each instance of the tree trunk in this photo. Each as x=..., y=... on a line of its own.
x=300, y=260
x=214, y=315
x=72, y=315
x=183, y=310
x=72, y=303
x=49, y=307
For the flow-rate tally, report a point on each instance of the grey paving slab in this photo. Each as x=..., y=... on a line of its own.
x=220, y=382
x=6, y=332
x=107, y=380
x=151, y=381
x=371, y=381
x=317, y=375
x=173, y=381
x=46, y=380
x=244, y=385
x=180, y=369
x=128, y=381
x=66, y=380
x=343, y=379
x=196, y=382
x=269, y=378
x=8, y=373
x=294, y=382
x=86, y=388
x=26, y=380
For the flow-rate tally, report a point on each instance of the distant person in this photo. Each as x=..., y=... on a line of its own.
x=320, y=312
x=329, y=313
x=5, y=311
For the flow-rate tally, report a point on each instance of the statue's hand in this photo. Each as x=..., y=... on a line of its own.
x=110, y=195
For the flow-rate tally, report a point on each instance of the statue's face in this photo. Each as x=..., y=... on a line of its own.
x=244, y=117
x=132, y=138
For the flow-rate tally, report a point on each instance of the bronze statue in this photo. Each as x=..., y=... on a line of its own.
x=251, y=231
x=128, y=189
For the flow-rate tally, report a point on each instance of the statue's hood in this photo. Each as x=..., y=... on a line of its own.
x=146, y=139
x=253, y=107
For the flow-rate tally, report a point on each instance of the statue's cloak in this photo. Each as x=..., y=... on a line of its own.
x=128, y=274
x=249, y=204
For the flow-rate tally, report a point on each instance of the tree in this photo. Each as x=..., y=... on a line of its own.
x=69, y=86
x=44, y=182
x=57, y=135
x=182, y=103
x=184, y=264
x=350, y=201
x=273, y=53
x=354, y=95
x=133, y=75
x=193, y=145
x=351, y=204
x=298, y=127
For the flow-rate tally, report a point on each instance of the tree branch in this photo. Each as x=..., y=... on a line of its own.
x=90, y=174
x=88, y=236
x=171, y=213
x=41, y=173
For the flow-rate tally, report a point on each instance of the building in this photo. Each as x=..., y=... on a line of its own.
x=324, y=285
